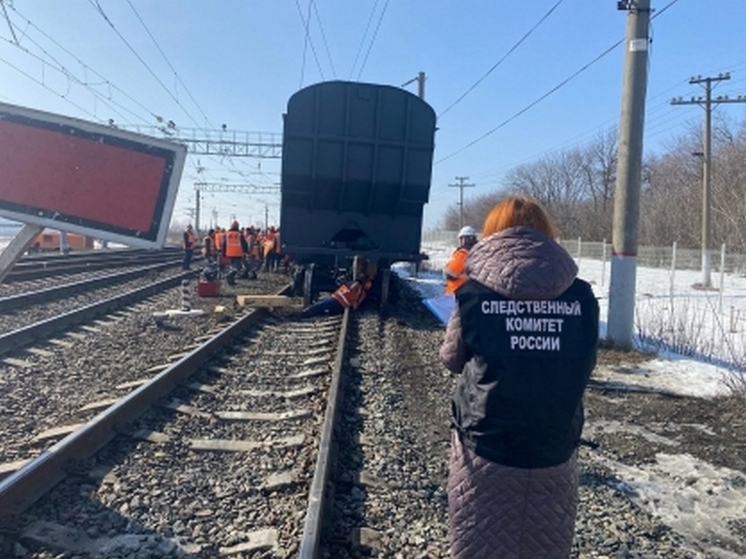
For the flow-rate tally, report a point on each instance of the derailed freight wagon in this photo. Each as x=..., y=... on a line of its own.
x=356, y=170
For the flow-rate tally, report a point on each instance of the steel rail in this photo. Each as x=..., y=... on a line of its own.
x=46, y=269
x=59, y=291
x=324, y=461
x=25, y=486
x=23, y=336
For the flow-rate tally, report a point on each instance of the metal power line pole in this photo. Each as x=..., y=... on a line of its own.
x=461, y=185
x=420, y=79
x=707, y=104
x=629, y=175
x=197, y=196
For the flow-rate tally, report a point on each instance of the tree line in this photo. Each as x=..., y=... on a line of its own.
x=577, y=187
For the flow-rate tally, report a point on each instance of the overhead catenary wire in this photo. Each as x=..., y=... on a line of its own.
x=502, y=59
x=85, y=67
x=373, y=39
x=547, y=94
x=32, y=78
x=323, y=38
x=176, y=74
x=307, y=41
x=362, y=39
x=100, y=10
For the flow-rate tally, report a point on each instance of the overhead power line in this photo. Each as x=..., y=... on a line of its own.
x=373, y=39
x=307, y=42
x=323, y=38
x=176, y=74
x=512, y=49
x=85, y=67
x=548, y=93
x=362, y=39
x=100, y=10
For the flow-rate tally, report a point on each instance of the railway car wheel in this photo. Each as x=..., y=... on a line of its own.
x=385, y=288
x=308, y=286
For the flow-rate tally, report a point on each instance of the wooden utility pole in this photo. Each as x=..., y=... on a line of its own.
x=461, y=185
x=629, y=175
x=707, y=104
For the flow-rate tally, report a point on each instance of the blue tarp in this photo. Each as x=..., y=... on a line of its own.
x=440, y=306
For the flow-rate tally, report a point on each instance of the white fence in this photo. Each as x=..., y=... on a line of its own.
x=668, y=258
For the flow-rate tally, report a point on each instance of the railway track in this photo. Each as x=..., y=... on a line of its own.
x=168, y=485
x=41, y=267
x=283, y=368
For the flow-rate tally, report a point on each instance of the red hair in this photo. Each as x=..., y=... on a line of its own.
x=515, y=211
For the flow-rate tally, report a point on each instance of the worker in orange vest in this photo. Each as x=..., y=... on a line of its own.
x=234, y=248
x=455, y=269
x=270, y=250
x=188, y=241
x=219, y=256
x=349, y=294
x=208, y=246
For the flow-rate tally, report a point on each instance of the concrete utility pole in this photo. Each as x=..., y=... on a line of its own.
x=707, y=104
x=461, y=185
x=629, y=175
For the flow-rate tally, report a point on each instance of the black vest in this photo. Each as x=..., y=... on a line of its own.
x=518, y=401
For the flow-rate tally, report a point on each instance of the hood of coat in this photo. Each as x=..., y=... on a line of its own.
x=521, y=263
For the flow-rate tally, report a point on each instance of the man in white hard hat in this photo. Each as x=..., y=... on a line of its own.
x=455, y=270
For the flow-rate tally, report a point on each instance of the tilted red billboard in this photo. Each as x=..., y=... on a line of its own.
x=87, y=178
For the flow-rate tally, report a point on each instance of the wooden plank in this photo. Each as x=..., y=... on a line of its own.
x=262, y=416
x=223, y=445
x=265, y=301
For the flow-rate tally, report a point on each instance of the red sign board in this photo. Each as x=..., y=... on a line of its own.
x=88, y=178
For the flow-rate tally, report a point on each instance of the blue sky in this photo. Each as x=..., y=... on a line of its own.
x=204, y=64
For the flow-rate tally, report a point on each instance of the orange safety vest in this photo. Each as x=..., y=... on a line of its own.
x=352, y=295
x=455, y=270
x=219, y=241
x=233, y=247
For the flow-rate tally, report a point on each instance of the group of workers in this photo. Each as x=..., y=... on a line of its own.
x=238, y=248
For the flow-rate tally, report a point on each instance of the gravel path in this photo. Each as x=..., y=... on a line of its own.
x=395, y=457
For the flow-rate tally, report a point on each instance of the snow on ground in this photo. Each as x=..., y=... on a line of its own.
x=711, y=324
x=691, y=496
